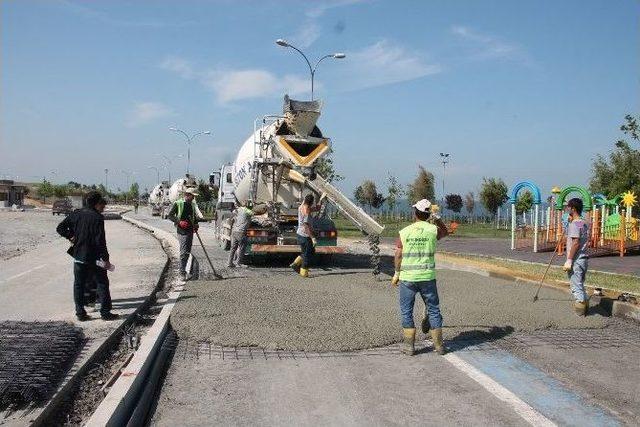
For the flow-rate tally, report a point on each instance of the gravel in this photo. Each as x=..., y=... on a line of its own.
x=343, y=312
x=21, y=232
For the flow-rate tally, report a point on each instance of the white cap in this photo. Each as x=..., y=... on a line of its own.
x=191, y=191
x=423, y=205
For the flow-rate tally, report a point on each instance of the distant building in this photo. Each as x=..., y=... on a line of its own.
x=11, y=193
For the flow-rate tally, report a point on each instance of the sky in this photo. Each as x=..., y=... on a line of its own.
x=526, y=90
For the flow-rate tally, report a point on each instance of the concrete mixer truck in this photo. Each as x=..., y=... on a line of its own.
x=276, y=167
x=158, y=198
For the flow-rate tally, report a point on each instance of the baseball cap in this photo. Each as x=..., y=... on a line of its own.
x=423, y=205
x=192, y=191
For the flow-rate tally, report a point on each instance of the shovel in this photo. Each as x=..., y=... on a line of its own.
x=555, y=252
x=215, y=275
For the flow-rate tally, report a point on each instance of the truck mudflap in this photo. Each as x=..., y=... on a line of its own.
x=258, y=248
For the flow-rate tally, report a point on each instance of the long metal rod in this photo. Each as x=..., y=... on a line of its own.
x=555, y=252
x=215, y=274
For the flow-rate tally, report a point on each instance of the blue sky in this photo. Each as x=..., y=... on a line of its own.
x=518, y=90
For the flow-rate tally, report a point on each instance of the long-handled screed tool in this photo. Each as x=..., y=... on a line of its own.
x=216, y=275
x=553, y=256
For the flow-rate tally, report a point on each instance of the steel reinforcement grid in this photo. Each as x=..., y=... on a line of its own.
x=34, y=358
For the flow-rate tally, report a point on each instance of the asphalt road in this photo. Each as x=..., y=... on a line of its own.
x=553, y=375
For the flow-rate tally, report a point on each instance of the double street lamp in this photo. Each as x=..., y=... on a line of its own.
x=444, y=158
x=189, y=140
x=312, y=70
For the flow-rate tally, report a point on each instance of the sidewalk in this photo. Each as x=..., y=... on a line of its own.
x=37, y=286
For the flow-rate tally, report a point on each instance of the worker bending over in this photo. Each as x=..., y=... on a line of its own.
x=416, y=273
x=240, y=222
x=185, y=215
x=577, y=258
x=306, y=236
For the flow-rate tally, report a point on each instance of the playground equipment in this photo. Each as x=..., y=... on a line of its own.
x=519, y=240
x=613, y=229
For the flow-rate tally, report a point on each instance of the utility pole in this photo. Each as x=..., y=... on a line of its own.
x=106, y=181
x=444, y=158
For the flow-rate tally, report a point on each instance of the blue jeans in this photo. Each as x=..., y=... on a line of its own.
x=576, y=278
x=306, y=250
x=429, y=294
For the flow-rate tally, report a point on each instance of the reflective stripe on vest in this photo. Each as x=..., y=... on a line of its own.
x=180, y=203
x=418, y=252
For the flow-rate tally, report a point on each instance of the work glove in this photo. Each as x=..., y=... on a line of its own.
x=314, y=241
x=395, y=279
x=183, y=224
x=568, y=265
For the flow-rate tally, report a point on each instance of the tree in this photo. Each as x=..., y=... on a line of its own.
x=205, y=191
x=524, y=202
x=326, y=169
x=469, y=202
x=45, y=189
x=358, y=195
x=454, y=202
x=60, y=191
x=394, y=192
x=422, y=187
x=493, y=194
x=619, y=172
x=134, y=191
x=370, y=194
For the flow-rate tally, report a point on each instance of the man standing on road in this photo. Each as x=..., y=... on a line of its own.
x=416, y=273
x=577, y=258
x=136, y=203
x=240, y=222
x=85, y=229
x=185, y=215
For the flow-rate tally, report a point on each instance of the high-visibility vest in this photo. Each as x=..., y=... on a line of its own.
x=180, y=204
x=418, y=252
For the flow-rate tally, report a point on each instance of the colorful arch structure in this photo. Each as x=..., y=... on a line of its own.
x=586, y=197
x=537, y=200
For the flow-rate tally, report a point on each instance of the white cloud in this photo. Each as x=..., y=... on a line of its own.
x=234, y=85
x=320, y=7
x=145, y=112
x=385, y=62
x=307, y=34
x=486, y=46
x=179, y=66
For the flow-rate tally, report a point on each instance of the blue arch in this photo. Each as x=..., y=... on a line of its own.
x=537, y=199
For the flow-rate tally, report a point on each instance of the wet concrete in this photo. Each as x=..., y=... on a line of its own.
x=338, y=312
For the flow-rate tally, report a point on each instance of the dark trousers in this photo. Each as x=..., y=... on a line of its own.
x=307, y=251
x=85, y=274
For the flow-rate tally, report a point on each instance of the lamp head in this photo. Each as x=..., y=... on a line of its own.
x=339, y=55
x=282, y=42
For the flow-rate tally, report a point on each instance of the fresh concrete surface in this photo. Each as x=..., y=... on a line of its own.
x=39, y=285
x=391, y=388
x=21, y=232
x=367, y=390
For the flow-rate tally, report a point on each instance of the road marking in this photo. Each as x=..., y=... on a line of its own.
x=529, y=414
x=24, y=272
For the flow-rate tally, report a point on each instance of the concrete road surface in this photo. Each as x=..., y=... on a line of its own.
x=542, y=377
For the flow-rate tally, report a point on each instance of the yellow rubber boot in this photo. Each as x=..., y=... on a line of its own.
x=581, y=307
x=304, y=272
x=408, y=344
x=438, y=344
x=295, y=265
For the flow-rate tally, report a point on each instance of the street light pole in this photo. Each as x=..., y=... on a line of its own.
x=157, y=173
x=312, y=70
x=189, y=142
x=106, y=180
x=444, y=158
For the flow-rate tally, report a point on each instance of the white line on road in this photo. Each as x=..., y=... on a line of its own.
x=529, y=414
x=23, y=273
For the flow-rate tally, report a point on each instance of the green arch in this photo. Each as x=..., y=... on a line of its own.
x=586, y=197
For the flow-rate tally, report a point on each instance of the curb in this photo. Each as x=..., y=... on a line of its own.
x=62, y=395
x=120, y=402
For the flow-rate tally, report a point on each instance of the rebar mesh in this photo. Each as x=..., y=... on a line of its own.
x=34, y=357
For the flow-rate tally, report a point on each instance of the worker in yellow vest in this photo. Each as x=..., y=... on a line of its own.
x=185, y=215
x=416, y=273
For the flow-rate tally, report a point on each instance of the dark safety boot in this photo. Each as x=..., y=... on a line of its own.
x=438, y=344
x=409, y=340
